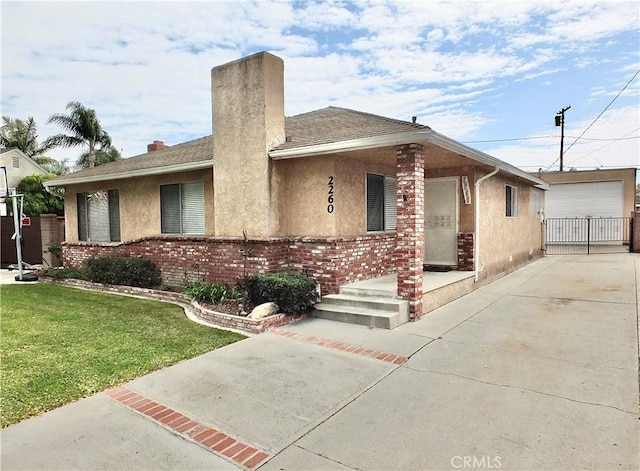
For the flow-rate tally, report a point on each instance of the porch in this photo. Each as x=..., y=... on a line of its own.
x=375, y=302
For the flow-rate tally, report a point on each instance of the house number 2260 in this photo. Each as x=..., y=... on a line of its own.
x=330, y=195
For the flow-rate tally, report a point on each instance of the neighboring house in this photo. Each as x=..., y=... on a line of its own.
x=19, y=165
x=342, y=195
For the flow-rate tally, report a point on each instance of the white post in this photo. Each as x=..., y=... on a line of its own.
x=17, y=235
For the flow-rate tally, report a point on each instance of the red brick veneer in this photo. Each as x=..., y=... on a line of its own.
x=332, y=261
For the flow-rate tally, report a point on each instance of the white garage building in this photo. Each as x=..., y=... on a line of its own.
x=589, y=209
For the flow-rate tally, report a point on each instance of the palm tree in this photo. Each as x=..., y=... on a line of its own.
x=102, y=156
x=19, y=134
x=84, y=129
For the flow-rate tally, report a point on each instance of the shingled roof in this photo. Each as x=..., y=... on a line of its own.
x=324, y=126
x=335, y=124
x=186, y=156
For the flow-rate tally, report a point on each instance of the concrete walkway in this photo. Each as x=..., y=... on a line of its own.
x=538, y=370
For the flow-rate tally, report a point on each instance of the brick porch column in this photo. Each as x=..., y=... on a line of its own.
x=409, y=251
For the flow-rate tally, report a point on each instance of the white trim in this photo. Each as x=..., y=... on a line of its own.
x=456, y=180
x=514, y=201
x=416, y=136
x=60, y=181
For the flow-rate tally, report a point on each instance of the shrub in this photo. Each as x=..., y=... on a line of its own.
x=63, y=273
x=127, y=271
x=292, y=292
x=213, y=293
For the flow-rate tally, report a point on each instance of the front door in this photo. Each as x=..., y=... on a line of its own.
x=441, y=221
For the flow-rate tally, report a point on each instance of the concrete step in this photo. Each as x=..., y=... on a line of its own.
x=367, y=302
x=368, y=292
x=380, y=318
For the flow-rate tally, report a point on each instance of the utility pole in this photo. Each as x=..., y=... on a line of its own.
x=560, y=122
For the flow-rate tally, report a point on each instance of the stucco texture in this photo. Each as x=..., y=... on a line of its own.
x=506, y=243
x=248, y=120
x=305, y=199
x=139, y=203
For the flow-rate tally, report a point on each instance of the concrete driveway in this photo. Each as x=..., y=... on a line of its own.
x=538, y=370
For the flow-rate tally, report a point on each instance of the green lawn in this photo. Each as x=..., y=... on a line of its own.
x=60, y=344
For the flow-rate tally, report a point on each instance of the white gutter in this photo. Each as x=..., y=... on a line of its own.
x=350, y=145
x=61, y=181
x=419, y=135
x=476, y=242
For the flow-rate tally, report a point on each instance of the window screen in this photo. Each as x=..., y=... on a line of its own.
x=182, y=208
x=99, y=216
x=381, y=203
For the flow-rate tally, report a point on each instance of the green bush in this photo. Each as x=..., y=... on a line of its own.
x=214, y=293
x=292, y=292
x=63, y=273
x=129, y=271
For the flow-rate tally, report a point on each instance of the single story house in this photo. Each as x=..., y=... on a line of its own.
x=342, y=195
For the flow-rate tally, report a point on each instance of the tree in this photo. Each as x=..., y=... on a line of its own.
x=83, y=129
x=37, y=199
x=58, y=167
x=23, y=135
x=102, y=157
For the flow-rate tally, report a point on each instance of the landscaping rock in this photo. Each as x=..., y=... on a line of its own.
x=263, y=310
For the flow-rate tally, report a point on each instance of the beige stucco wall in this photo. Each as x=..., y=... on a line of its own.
x=304, y=197
x=139, y=203
x=506, y=243
x=248, y=121
x=626, y=175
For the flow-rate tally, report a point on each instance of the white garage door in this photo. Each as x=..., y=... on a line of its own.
x=596, y=199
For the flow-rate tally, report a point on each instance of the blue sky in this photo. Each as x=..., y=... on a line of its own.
x=490, y=74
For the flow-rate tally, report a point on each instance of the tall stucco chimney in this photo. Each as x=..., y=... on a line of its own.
x=248, y=121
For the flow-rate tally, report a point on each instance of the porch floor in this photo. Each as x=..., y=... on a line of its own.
x=430, y=281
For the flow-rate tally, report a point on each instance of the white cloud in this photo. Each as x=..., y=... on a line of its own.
x=145, y=66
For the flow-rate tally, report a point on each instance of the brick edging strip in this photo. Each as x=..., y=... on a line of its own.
x=213, y=440
x=345, y=347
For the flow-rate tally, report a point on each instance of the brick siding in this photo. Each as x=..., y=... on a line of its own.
x=465, y=251
x=410, y=233
x=332, y=261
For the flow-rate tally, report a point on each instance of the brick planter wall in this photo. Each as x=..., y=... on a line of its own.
x=332, y=261
x=253, y=326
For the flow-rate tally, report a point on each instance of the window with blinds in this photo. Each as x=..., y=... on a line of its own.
x=381, y=203
x=182, y=208
x=99, y=216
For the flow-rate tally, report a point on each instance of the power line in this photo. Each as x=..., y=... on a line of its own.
x=549, y=137
x=607, y=144
x=509, y=139
x=609, y=139
x=605, y=109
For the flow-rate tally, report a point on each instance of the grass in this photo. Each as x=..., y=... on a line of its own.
x=60, y=344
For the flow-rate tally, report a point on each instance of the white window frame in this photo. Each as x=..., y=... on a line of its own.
x=511, y=201
x=387, y=205
x=189, y=209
